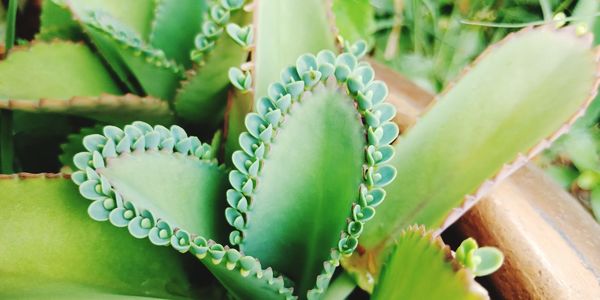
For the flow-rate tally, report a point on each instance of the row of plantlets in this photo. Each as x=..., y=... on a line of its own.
x=308, y=175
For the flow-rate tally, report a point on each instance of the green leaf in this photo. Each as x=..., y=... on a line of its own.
x=134, y=14
x=355, y=20
x=588, y=179
x=481, y=261
x=176, y=23
x=2, y=23
x=420, y=266
x=48, y=242
x=74, y=145
x=161, y=184
x=163, y=177
x=56, y=22
x=490, y=260
x=464, y=253
x=116, y=109
x=69, y=292
x=301, y=26
x=340, y=288
x=202, y=96
x=590, y=117
x=243, y=277
x=318, y=180
x=581, y=146
x=563, y=175
x=129, y=55
x=485, y=121
x=60, y=70
x=584, y=12
x=243, y=36
x=10, y=23
x=156, y=179
x=339, y=172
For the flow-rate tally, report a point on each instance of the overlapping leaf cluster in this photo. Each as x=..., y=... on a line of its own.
x=309, y=174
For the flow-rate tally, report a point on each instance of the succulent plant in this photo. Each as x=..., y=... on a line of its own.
x=152, y=60
x=460, y=147
x=290, y=192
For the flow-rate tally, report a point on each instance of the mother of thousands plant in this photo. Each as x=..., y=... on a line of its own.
x=309, y=154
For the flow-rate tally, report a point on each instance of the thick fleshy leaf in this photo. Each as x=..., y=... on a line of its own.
x=48, y=241
x=243, y=36
x=490, y=260
x=242, y=275
x=135, y=14
x=176, y=23
x=563, y=175
x=301, y=26
x=305, y=181
x=583, y=17
x=483, y=122
x=60, y=71
x=580, y=146
x=332, y=177
x=187, y=193
x=128, y=55
x=169, y=196
x=355, y=19
x=115, y=109
x=172, y=185
x=70, y=79
x=74, y=145
x=202, y=96
x=481, y=261
x=64, y=291
x=421, y=267
x=56, y=21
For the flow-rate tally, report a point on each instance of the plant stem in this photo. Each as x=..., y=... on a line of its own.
x=563, y=5
x=394, y=37
x=546, y=10
x=6, y=128
x=11, y=20
x=6, y=142
x=521, y=25
x=418, y=38
x=340, y=288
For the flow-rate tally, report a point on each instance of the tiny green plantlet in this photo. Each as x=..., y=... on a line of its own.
x=311, y=182
x=481, y=261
